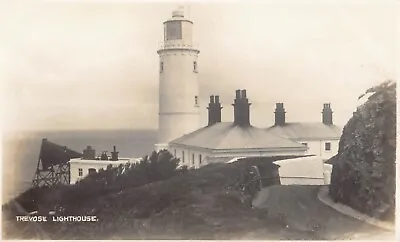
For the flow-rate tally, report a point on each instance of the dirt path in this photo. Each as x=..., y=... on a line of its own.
x=300, y=209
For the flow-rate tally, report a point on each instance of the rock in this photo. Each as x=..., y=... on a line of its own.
x=363, y=174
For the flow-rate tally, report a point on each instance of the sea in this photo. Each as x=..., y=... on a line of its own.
x=20, y=151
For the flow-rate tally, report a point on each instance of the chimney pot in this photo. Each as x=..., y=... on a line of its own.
x=89, y=153
x=212, y=99
x=238, y=94
x=114, y=154
x=244, y=93
x=216, y=99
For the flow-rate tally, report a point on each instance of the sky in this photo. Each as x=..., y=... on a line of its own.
x=93, y=64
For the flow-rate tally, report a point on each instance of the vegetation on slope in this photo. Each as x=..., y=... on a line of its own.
x=156, y=167
x=205, y=203
x=363, y=174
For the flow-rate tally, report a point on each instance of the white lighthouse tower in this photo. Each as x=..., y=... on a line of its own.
x=179, y=112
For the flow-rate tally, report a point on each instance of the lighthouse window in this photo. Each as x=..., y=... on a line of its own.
x=195, y=66
x=174, y=30
x=196, y=101
x=161, y=66
x=80, y=172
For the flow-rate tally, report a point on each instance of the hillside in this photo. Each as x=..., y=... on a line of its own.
x=204, y=203
x=363, y=174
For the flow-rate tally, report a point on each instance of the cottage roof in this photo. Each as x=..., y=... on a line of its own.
x=332, y=160
x=227, y=136
x=306, y=131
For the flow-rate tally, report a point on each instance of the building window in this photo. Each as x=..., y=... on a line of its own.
x=161, y=66
x=195, y=66
x=196, y=101
x=183, y=156
x=305, y=144
x=192, y=159
x=327, y=146
x=200, y=159
x=91, y=171
x=80, y=172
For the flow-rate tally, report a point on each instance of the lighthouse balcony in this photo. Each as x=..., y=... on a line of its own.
x=175, y=46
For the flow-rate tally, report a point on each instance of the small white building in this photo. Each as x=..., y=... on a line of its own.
x=81, y=167
x=301, y=171
x=321, y=139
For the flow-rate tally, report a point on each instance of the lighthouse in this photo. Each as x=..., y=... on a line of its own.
x=179, y=112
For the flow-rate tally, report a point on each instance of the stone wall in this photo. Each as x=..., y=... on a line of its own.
x=363, y=174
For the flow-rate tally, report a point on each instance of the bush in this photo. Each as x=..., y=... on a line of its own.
x=363, y=174
x=158, y=166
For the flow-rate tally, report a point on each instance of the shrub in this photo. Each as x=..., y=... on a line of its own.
x=159, y=166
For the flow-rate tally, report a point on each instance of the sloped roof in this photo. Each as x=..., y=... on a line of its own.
x=332, y=160
x=227, y=135
x=53, y=154
x=306, y=131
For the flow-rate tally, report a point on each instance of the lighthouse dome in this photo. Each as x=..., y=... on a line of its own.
x=177, y=13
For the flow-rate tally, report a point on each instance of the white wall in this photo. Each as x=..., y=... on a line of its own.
x=187, y=160
x=327, y=173
x=317, y=147
x=302, y=181
x=178, y=112
x=177, y=150
x=85, y=165
x=301, y=171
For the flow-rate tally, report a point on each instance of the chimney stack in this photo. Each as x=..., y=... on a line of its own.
x=327, y=114
x=214, y=110
x=241, y=109
x=114, y=154
x=280, y=114
x=89, y=153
